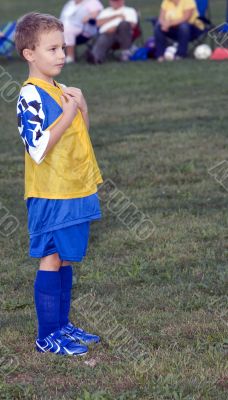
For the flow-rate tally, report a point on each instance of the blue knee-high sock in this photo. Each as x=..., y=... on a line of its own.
x=66, y=274
x=47, y=290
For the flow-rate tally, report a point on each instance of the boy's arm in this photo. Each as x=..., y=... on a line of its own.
x=85, y=116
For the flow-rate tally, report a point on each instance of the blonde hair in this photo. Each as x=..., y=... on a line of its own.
x=30, y=26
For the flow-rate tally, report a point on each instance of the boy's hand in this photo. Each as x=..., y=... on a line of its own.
x=77, y=95
x=69, y=106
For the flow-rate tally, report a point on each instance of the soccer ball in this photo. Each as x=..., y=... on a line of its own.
x=202, y=52
x=170, y=53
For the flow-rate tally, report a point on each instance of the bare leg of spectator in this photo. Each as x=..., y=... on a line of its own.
x=70, y=51
x=70, y=34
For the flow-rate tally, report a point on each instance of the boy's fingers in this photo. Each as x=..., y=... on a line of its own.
x=72, y=91
x=69, y=96
x=66, y=97
x=67, y=90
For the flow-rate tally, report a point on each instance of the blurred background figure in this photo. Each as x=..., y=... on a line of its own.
x=79, y=19
x=178, y=21
x=7, y=42
x=116, y=24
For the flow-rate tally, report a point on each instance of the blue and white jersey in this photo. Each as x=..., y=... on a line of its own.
x=36, y=111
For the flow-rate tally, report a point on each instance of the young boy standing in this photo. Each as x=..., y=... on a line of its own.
x=61, y=178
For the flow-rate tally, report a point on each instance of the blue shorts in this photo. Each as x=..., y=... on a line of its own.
x=70, y=243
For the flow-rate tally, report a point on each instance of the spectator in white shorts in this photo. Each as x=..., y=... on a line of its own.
x=75, y=16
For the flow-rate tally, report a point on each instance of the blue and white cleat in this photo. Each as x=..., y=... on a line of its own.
x=58, y=343
x=76, y=333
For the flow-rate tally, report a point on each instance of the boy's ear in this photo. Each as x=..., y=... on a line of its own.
x=28, y=54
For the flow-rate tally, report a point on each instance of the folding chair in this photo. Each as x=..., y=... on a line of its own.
x=7, y=32
x=203, y=8
x=204, y=16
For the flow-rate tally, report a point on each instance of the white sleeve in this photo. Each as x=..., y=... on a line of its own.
x=31, y=119
x=106, y=13
x=131, y=15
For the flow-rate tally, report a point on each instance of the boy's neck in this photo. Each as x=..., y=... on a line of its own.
x=38, y=75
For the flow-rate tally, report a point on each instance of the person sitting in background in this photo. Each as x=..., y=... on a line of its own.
x=179, y=21
x=76, y=16
x=115, y=27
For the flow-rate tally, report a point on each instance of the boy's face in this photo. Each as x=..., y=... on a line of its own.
x=47, y=60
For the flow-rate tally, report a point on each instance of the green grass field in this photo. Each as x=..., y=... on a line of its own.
x=156, y=130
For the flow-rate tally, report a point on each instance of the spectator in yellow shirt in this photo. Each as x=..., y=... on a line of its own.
x=179, y=21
